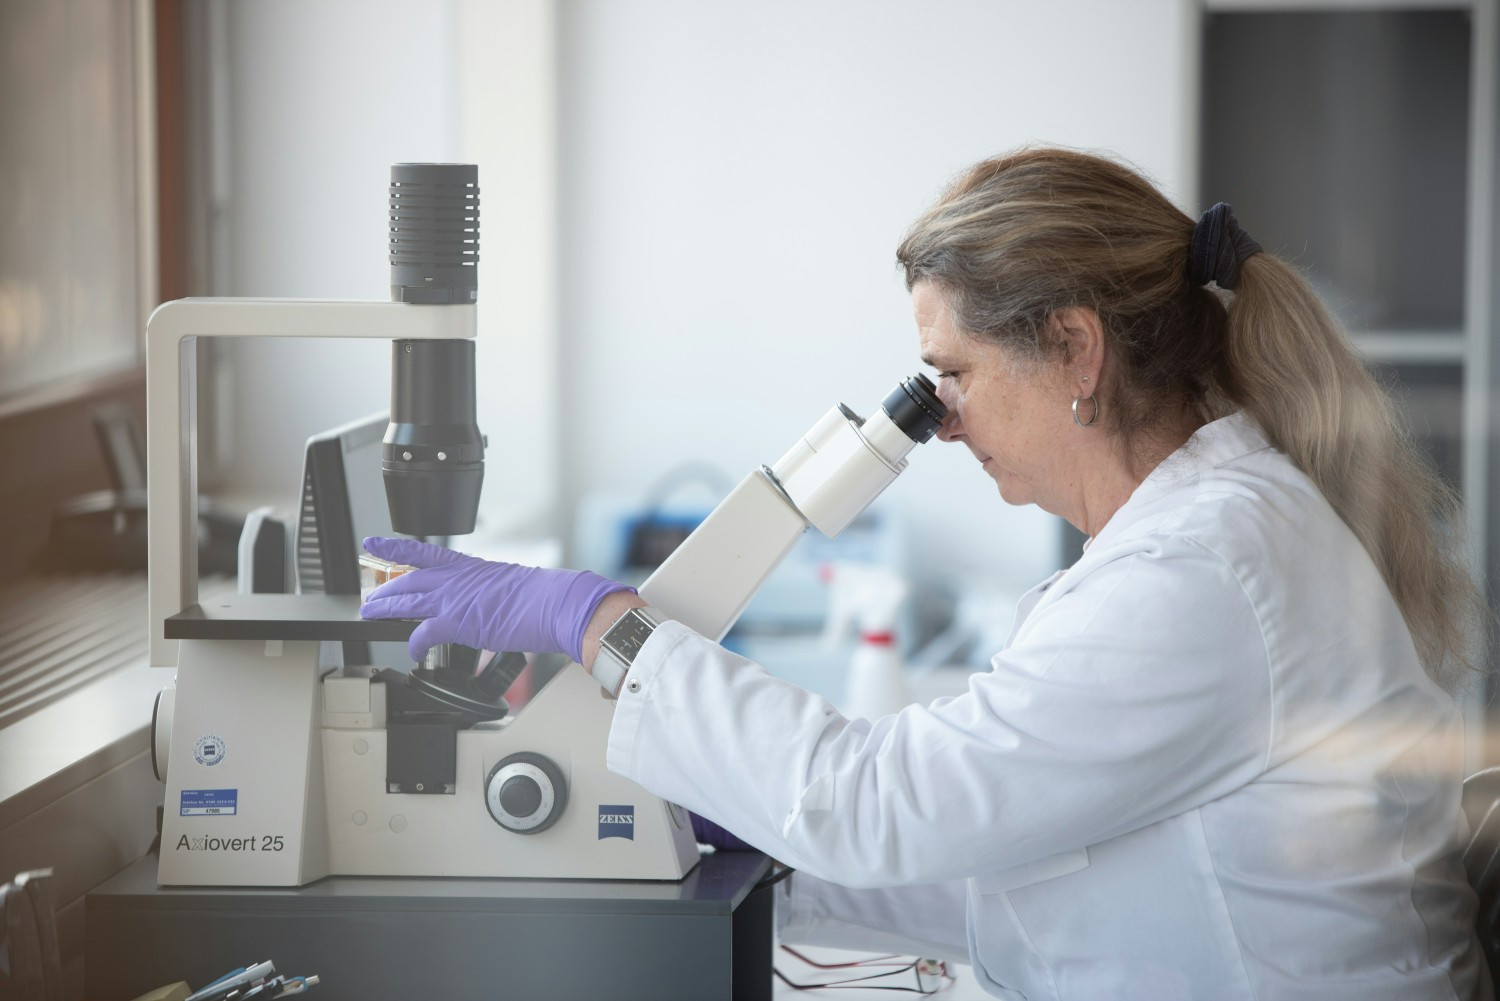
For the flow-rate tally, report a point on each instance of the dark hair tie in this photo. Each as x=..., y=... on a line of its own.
x=1218, y=249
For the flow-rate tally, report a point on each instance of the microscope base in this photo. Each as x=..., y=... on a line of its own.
x=706, y=937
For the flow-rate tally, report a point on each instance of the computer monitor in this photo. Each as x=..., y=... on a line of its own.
x=343, y=500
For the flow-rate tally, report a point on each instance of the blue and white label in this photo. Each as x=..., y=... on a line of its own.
x=209, y=803
x=209, y=750
x=617, y=821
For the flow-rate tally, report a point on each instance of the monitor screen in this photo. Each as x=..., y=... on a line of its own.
x=343, y=501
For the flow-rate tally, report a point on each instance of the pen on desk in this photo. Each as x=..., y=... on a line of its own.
x=235, y=979
x=298, y=985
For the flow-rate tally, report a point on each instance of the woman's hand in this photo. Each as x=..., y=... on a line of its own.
x=485, y=605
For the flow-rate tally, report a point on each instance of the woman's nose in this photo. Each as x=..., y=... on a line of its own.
x=952, y=427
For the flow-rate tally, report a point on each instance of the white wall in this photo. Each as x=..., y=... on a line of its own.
x=323, y=97
x=508, y=123
x=735, y=179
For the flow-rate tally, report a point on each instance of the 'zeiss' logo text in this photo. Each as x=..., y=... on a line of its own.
x=616, y=821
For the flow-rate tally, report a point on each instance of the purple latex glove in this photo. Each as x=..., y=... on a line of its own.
x=706, y=832
x=488, y=606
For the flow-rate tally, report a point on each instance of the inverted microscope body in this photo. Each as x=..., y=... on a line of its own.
x=278, y=773
x=607, y=827
x=277, y=778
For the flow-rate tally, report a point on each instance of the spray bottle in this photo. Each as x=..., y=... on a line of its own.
x=869, y=597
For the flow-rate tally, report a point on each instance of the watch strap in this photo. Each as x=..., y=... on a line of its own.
x=620, y=644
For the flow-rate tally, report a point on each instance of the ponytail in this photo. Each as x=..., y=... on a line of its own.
x=1289, y=365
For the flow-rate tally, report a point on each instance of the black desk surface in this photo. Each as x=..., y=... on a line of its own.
x=717, y=885
x=704, y=938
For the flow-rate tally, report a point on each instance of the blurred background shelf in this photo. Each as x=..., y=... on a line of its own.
x=1358, y=140
x=1417, y=347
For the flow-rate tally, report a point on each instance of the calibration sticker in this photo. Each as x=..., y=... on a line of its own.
x=209, y=802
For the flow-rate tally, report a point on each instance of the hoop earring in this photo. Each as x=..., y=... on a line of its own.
x=1092, y=417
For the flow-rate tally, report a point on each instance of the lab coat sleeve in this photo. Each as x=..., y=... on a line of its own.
x=1138, y=691
x=922, y=920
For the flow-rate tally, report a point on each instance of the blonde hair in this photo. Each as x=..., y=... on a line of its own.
x=1018, y=237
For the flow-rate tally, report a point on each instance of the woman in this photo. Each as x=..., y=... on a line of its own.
x=1219, y=756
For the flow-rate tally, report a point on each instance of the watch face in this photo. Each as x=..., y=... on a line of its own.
x=627, y=636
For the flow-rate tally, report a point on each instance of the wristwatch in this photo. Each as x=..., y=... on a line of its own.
x=621, y=644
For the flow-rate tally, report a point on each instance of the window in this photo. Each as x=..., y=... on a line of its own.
x=70, y=251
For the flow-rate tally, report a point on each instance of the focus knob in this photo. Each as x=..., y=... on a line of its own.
x=526, y=793
x=521, y=796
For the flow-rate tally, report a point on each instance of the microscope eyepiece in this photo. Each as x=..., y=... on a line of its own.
x=434, y=232
x=914, y=407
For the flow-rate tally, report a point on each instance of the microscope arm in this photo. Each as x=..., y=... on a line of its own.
x=827, y=478
x=710, y=578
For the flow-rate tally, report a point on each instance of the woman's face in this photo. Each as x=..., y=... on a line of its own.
x=1011, y=417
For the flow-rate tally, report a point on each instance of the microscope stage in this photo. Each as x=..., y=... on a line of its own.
x=283, y=617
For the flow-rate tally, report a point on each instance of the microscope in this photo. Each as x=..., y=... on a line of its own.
x=279, y=772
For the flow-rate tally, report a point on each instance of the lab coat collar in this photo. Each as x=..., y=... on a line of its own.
x=1214, y=444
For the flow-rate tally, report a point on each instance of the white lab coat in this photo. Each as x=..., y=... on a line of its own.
x=1207, y=764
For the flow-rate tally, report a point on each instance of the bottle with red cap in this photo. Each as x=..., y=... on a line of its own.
x=869, y=597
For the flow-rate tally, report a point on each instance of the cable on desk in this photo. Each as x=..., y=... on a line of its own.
x=871, y=961
x=919, y=967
